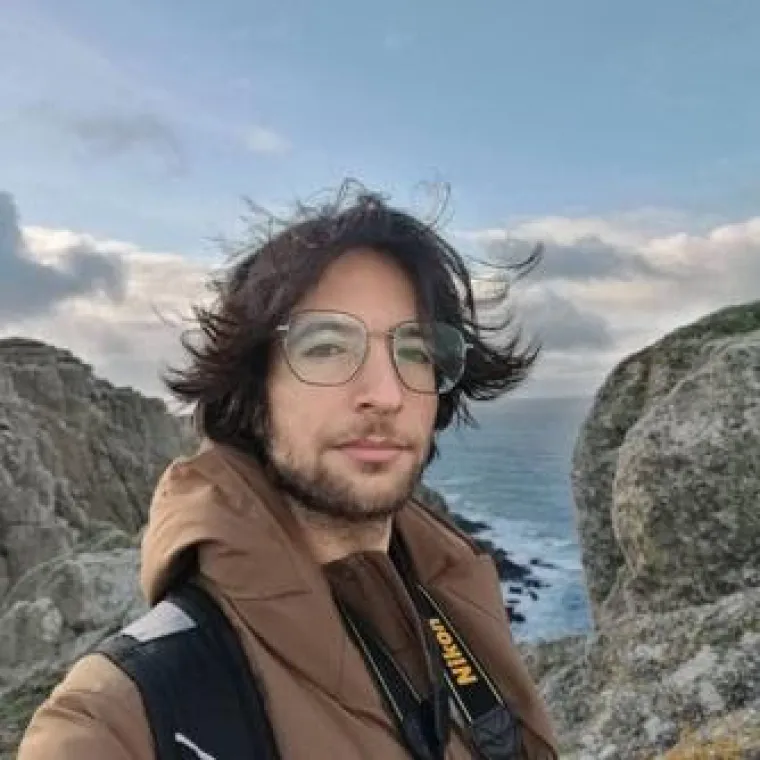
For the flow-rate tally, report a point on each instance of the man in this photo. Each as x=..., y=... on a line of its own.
x=332, y=355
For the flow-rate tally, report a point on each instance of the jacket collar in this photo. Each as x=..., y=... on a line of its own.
x=251, y=549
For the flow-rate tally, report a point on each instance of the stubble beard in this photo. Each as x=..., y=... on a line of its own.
x=332, y=495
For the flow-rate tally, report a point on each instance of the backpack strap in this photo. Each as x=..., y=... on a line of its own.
x=195, y=680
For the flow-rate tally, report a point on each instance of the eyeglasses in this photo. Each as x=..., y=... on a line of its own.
x=329, y=348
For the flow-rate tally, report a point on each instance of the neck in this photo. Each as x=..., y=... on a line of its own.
x=330, y=539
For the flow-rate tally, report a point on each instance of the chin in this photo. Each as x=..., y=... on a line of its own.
x=381, y=488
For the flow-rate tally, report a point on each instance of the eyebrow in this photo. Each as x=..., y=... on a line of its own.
x=314, y=325
x=413, y=328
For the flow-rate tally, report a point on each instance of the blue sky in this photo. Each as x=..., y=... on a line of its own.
x=147, y=121
x=526, y=108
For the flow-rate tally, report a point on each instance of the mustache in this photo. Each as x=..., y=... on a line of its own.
x=373, y=430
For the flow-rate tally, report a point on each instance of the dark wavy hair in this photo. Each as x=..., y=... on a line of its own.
x=268, y=274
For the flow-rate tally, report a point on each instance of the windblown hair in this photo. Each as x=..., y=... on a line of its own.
x=231, y=346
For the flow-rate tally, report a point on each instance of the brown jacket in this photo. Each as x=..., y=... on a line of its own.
x=322, y=702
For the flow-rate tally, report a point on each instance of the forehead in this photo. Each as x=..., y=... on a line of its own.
x=368, y=284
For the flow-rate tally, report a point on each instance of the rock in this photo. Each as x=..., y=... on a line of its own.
x=537, y=562
x=29, y=633
x=76, y=455
x=78, y=463
x=507, y=569
x=57, y=613
x=471, y=527
x=666, y=472
x=432, y=498
x=646, y=684
x=731, y=736
x=64, y=607
x=17, y=706
x=666, y=478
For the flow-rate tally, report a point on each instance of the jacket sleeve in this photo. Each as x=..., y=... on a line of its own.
x=96, y=712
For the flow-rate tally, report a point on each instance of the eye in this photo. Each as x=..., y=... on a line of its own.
x=322, y=350
x=321, y=343
x=413, y=352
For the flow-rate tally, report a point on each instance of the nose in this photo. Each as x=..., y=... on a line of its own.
x=378, y=384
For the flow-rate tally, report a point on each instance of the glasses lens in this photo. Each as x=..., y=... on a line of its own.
x=324, y=349
x=430, y=358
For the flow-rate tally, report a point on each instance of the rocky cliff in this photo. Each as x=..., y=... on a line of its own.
x=76, y=455
x=78, y=462
x=666, y=472
x=666, y=477
x=667, y=486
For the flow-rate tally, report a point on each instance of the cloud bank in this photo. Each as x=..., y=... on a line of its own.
x=607, y=287
x=604, y=289
x=32, y=287
x=114, y=305
x=108, y=135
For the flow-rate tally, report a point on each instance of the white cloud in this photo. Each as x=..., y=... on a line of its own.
x=129, y=341
x=260, y=139
x=30, y=286
x=561, y=325
x=560, y=230
x=610, y=263
x=607, y=287
x=611, y=291
x=109, y=133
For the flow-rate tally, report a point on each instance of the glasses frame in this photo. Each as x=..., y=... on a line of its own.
x=388, y=336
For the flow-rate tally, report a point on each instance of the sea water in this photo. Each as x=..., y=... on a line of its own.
x=513, y=472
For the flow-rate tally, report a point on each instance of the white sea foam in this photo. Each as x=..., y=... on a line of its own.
x=513, y=474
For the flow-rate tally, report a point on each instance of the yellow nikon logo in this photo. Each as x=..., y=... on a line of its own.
x=455, y=660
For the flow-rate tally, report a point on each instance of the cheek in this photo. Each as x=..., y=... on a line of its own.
x=300, y=414
x=425, y=409
x=282, y=398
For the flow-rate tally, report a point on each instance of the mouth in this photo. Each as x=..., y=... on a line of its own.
x=375, y=450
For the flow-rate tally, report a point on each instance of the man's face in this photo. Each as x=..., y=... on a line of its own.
x=353, y=451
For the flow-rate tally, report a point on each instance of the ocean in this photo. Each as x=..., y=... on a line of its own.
x=513, y=472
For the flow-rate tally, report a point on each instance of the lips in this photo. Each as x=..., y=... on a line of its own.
x=372, y=450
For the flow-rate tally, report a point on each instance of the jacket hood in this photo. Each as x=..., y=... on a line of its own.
x=251, y=551
x=213, y=502
x=220, y=502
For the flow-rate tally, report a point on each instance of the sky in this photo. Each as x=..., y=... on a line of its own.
x=625, y=137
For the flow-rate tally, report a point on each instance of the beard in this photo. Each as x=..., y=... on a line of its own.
x=331, y=494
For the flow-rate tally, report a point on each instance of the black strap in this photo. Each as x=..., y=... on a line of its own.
x=202, y=607
x=495, y=731
x=196, y=685
x=415, y=717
